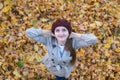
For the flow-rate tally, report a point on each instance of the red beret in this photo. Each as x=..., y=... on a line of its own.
x=61, y=22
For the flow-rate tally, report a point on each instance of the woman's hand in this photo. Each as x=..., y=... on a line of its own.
x=71, y=35
x=52, y=34
x=74, y=35
x=47, y=33
x=82, y=27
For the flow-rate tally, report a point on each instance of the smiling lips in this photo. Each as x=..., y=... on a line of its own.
x=61, y=36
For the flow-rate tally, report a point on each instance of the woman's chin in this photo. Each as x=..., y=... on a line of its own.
x=61, y=40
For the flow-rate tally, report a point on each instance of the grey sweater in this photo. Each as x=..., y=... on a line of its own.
x=57, y=65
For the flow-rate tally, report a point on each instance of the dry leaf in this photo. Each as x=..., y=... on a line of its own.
x=31, y=75
x=16, y=73
x=117, y=50
x=1, y=5
x=6, y=9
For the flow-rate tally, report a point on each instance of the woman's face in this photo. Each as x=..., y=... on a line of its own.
x=61, y=33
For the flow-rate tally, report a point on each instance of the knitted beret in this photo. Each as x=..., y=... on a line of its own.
x=61, y=22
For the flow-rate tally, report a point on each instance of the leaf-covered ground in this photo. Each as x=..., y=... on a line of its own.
x=20, y=57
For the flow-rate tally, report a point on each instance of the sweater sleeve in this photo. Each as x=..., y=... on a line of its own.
x=37, y=35
x=84, y=40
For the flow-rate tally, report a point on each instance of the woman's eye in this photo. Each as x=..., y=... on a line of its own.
x=64, y=30
x=57, y=30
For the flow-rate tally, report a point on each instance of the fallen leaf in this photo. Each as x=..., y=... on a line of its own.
x=1, y=5
x=6, y=9
x=17, y=73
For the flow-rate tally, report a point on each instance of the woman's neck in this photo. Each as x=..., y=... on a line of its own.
x=62, y=43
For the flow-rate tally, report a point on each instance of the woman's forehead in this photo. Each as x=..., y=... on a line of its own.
x=60, y=27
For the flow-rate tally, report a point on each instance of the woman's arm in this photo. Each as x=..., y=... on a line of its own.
x=82, y=40
x=38, y=34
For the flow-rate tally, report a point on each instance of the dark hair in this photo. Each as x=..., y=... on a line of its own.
x=68, y=45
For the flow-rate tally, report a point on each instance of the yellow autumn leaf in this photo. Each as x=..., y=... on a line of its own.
x=44, y=19
x=14, y=20
x=112, y=75
x=97, y=4
x=7, y=2
x=93, y=26
x=11, y=39
x=107, y=54
x=6, y=9
x=82, y=50
x=118, y=9
x=31, y=58
x=4, y=65
x=17, y=73
x=1, y=63
x=28, y=57
x=98, y=23
x=47, y=26
x=75, y=28
x=1, y=5
x=2, y=25
x=117, y=50
x=38, y=57
x=31, y=75
x=43, y=67
x=7, y=73
x=97, y=55
x=25, y=73
x=109, y=61
x=107, y=45
x=110, y=39
x=19, y=2
x=36, y=48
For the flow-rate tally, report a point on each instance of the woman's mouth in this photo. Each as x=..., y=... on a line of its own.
x=61, y=36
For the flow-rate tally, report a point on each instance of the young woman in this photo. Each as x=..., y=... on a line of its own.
x=61, y=44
